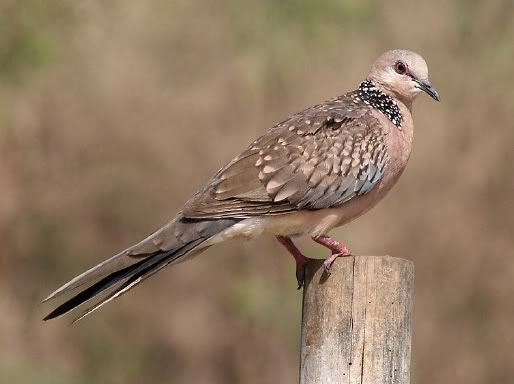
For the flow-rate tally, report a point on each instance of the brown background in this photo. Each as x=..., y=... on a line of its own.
x=113, y=113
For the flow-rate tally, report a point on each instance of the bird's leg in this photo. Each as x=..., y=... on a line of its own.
x=338, y=250
x=299, y=258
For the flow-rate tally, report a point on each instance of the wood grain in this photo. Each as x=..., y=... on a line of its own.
x=356, y=325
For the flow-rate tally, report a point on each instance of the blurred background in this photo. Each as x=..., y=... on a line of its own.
x=113, y=113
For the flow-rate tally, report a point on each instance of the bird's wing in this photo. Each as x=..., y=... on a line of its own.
x=319, y=158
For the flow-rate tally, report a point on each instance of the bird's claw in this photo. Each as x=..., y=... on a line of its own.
x=327, y=264
x=300, y=274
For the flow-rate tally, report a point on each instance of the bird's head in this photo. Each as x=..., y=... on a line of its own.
x=403, y=74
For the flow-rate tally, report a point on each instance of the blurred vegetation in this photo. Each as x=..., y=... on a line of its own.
x=28, y=33
x=113, y=113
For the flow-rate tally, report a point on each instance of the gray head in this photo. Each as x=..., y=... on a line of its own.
x=404, y=74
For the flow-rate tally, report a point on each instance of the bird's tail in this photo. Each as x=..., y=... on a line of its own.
x=124, y=271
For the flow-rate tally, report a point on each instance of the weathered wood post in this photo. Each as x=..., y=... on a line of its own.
x=356, y=325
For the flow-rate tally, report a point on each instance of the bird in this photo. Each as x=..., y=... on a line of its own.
x=316, y=170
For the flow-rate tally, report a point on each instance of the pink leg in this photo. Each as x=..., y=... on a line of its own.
x=338, y=250
x=299, y=258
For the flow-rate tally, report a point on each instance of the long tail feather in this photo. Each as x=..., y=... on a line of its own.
x=132, y=282
x=100, y=270
x=134, y=274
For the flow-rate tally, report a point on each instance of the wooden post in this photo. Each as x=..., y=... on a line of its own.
x=356, y=325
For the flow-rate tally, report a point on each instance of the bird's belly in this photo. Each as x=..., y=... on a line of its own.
x=305, y=222
x=315, y=222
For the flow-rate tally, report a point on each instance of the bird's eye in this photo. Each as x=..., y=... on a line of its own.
x=400, y=68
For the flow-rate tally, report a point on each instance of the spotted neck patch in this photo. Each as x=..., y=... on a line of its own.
x=370, y=94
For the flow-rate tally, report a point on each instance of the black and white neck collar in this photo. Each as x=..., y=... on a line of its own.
x=370, y=94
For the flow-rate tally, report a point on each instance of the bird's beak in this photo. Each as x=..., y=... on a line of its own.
x=425, y=85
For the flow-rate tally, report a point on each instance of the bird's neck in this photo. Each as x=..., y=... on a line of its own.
x=373, y=95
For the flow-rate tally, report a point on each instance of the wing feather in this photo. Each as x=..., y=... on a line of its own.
x=320, y=158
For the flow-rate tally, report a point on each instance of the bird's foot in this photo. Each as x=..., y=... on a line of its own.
x=300, y=272
x=327, y=264
x=299, y=258
x=337, y=248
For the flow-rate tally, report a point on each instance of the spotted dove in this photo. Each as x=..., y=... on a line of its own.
x=313, y=171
